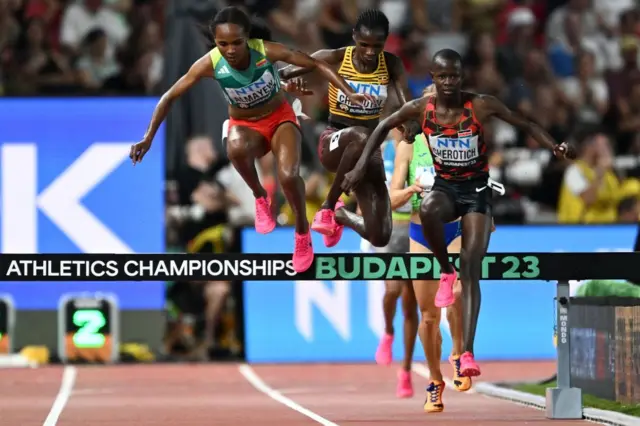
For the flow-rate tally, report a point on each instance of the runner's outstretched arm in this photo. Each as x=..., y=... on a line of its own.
x=279, y=52
x=330, y=56
x=200, y=69
x=410, y=111
x=489, y=106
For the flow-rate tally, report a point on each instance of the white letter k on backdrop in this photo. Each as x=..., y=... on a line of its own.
x=60, y=201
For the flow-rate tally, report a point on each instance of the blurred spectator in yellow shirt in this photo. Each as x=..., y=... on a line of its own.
x=317, y=185
x=590, y=189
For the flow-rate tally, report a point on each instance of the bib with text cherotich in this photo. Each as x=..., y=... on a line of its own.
x=459, y=150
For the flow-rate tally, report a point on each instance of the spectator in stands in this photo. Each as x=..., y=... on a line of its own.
x=522, y=90
x=485, y=76
x=572, y=39
x=609, y=12
x=83, y=16
x=336, y=21
x=629, y=210
x=482, y=65
x=284, y=23
x=284, y=19
x=551, y=114
x=586, y=92
x=444, y=16
x=418, y=77
x=202, y=200
x=199, y=188
x=629, y=119
x=203, y=219
x=521, y=24
x=529, y=169
x=479, y=15
x=403, y=14
x=9, y=29
x=96, y=67
x=624, y=26
x=627, y=49
x=539, y=10
x=121, y=7
x=143, y=60
x=37, y=67
x=581, y=11
x=625, y=94
x=214, y=236
x=50, y=13
x=590, y=189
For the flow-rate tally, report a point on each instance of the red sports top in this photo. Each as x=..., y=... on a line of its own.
x=459, y=151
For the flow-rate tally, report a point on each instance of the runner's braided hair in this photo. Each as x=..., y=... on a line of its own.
x=373, y=19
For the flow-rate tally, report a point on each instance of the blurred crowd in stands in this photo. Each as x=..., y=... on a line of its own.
x=569, y=65
x=69, y=47
x=572, y=66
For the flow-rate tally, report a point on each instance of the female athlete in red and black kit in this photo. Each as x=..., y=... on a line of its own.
x=369, y=70
x=453, y=124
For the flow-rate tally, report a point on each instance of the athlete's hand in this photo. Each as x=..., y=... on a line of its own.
x=360, y=98
x=564, y=150
x=417, y=187
x=352, y=179
x=139, y=150
x=296, y=86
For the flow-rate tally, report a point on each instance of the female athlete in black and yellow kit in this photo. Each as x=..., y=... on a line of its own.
x=260, y=117
x=372, y=71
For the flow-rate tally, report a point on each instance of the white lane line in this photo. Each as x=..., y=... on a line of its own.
x=66, y=387
x=423, y=371
x=255, y=381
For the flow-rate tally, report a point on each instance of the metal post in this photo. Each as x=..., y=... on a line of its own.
x=563, y=401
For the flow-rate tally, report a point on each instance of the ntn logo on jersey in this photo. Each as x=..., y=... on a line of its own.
x=377, y=90
x=257, y=90
x=449, y=143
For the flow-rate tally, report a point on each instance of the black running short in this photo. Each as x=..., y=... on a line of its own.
x=468, y=196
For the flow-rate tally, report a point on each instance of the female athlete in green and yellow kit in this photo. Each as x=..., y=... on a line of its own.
x=261, y=119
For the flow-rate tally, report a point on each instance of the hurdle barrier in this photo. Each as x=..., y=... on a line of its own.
x=564, y=402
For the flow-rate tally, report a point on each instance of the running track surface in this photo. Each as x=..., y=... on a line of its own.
x=235, y=394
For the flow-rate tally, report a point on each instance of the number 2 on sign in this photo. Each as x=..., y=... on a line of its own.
x=90, y=322
x=531, y=262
